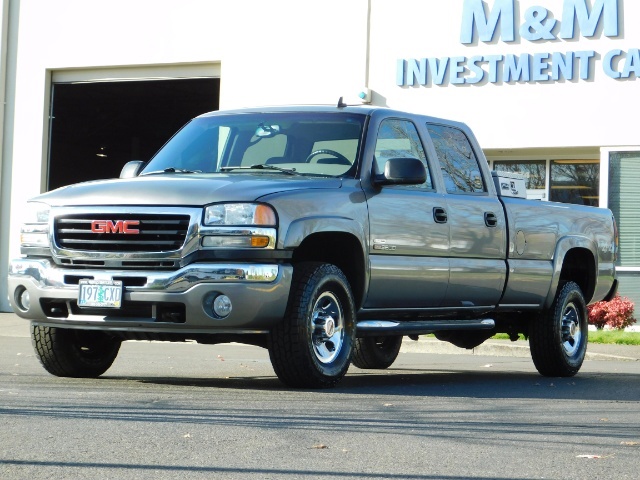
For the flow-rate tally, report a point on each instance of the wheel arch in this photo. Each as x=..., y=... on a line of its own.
x=335, y=241
x=575, y=260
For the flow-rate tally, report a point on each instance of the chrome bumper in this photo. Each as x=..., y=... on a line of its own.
x=258, y=292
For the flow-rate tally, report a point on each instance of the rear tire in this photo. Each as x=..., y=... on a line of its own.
x=376, y=352
x=74, y=353
x=311, y=347
x=558, y=338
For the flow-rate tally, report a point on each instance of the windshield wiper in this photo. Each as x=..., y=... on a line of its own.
x=172, y=170
x=260, y=166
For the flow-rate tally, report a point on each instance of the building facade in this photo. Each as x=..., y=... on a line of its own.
x=550, y=87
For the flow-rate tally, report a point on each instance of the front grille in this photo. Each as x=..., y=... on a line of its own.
x=156, y=233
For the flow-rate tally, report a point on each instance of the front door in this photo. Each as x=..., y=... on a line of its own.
x=409, y=245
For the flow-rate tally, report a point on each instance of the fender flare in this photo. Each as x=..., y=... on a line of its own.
x=563, y=247
x=303, y=227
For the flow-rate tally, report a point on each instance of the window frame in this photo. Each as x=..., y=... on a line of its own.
x=485, y=184
x=605, y=157
x=427, y=163
x=547, y=157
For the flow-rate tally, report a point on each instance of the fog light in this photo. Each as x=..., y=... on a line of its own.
x=222, y=306
x=23, y=299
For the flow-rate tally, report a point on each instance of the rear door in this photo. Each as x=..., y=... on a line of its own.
x=477, y=225
x=409, y=242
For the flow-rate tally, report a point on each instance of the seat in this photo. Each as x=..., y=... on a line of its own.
x=272, y=160
x=333, y=161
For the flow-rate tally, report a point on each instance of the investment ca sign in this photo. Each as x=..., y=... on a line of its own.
x=499, y=22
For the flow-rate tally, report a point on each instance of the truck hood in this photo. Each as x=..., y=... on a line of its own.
x=181, y=189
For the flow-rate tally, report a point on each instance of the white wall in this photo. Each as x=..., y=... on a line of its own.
x=518, y=115
x=283, y=51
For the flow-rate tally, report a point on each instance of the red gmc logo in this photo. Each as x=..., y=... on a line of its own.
x=119, y=226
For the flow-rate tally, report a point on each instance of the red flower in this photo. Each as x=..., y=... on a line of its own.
x=616, y=314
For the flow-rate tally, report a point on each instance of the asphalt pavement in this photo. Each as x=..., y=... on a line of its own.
x=13, y=326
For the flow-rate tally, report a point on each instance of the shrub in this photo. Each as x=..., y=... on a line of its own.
x=616, y=314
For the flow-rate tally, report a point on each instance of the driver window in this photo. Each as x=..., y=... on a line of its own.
x=399, y=139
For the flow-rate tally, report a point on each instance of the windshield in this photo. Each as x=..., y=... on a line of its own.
x=299, y=143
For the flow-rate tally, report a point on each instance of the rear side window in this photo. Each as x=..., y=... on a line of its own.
x=460, y=168
x=399, y=139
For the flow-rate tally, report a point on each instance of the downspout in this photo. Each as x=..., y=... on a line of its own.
x=368, y=47
x=4, y=37
x=9, y=20
x=366, y=95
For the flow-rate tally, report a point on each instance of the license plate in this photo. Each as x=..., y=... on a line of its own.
x=98, y=293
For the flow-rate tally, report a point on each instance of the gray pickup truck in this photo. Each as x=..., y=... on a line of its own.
x=324, y=234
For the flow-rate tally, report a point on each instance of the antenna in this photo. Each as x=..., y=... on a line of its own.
x=341, y=104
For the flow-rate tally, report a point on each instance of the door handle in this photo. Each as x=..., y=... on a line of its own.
x=490, y=219
x=440, y=215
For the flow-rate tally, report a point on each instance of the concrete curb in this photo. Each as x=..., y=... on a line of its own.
x=505, y=348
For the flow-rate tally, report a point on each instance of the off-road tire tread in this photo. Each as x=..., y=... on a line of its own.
x=367, y=355
x=55, y=353
x=288, y=349
x=545, y=343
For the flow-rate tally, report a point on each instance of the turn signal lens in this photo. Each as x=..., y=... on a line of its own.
x=235, y=241
x=259, y=242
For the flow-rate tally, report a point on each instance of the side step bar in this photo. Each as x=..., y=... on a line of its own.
x=367, y=328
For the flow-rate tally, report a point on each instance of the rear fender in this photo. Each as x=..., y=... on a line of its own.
x=563, y=248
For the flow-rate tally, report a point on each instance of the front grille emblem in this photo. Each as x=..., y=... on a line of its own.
x=117, y=226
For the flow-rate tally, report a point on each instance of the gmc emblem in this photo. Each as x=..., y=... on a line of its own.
x=119, y=226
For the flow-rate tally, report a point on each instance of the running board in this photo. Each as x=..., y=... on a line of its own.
x=384, y=327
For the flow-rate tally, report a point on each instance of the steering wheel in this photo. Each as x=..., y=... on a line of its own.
x=341, y=159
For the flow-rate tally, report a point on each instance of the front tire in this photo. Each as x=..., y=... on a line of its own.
x=74, y=353
x=558, y=338
x=376, y=352
x=311, y=347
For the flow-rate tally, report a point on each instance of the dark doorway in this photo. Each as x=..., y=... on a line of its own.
x=98, y=127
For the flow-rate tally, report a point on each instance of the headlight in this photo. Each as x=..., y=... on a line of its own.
x=35, y=230
x=239, y=225
x=236, y=214
x=36, y=212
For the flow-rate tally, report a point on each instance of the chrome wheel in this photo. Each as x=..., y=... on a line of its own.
x=558, y=337
x=571, y=331
x=312, y=346
x=327, y=327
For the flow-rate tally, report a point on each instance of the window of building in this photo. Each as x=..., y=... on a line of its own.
x=460, y=168
x=575, y=181
x=399, y=139
x=624, y=198
x=558, y=180
x=534, y=171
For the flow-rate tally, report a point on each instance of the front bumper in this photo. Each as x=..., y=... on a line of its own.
x=155, y=301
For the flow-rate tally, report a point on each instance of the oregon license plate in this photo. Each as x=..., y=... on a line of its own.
x=98, y=293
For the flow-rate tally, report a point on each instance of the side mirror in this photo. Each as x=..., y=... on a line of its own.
x=402, y=171
x=131, y=169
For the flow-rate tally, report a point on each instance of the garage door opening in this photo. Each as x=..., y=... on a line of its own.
x=98, y=127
